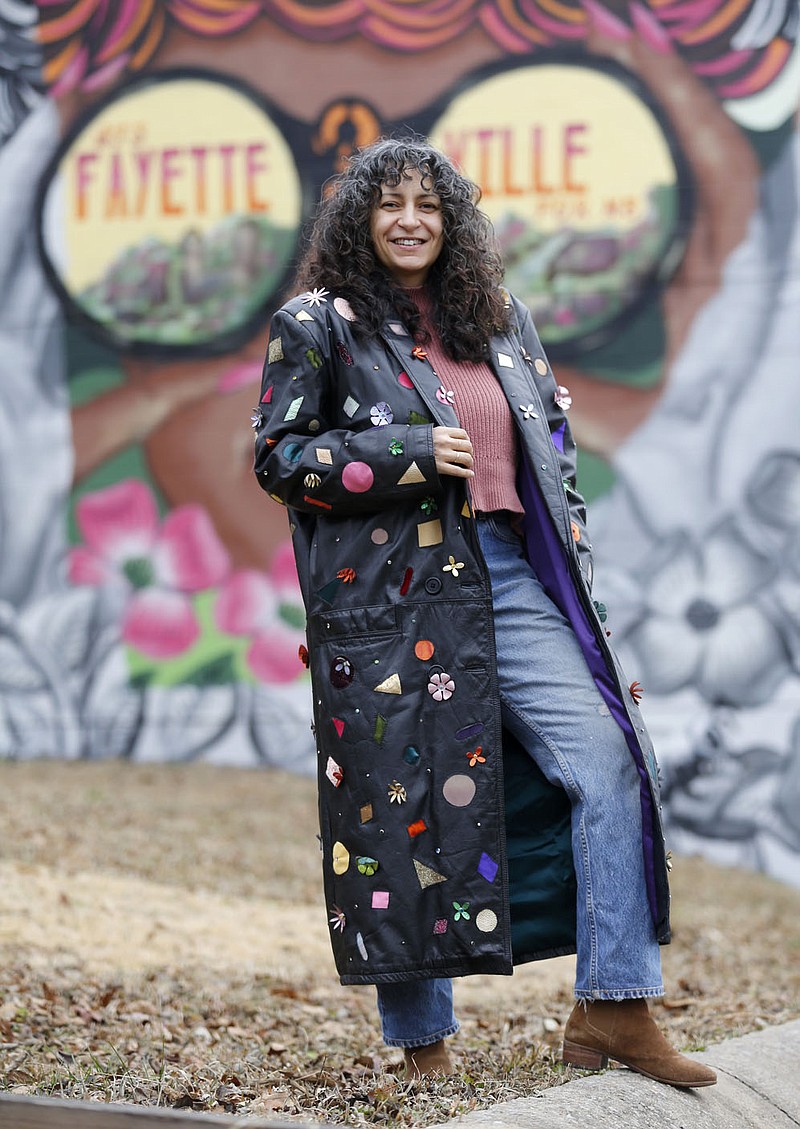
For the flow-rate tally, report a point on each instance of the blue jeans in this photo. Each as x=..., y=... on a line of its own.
x=550, y=703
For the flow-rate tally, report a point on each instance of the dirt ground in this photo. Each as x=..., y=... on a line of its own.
x=164, y=941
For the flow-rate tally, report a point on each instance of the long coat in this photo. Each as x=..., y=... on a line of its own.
x=432, y=864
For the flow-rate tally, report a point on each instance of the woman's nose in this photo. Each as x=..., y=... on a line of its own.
x=408, y=216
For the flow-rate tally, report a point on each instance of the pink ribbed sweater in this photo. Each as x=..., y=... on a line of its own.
x=483, y=412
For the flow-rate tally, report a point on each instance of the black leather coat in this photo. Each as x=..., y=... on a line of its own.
x=417, y=833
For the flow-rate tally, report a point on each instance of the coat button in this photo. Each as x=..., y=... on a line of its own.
x=433, y=585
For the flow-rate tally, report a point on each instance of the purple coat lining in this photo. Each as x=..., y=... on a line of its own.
x=547, y=557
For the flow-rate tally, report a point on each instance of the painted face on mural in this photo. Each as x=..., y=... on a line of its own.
x=407, y=229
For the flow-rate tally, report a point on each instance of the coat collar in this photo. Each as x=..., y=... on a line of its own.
x=506, y=359
x=511, y=366
x=414, y=363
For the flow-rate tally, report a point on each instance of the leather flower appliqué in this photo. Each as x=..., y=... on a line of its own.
x=342, y=673
x=381, y=414
x=314, y=297
x=453, y=566
x=397, y=793
x=337, y=919
x=441, y=687
x=602, y=611
x=563, y=398
x=476, y=757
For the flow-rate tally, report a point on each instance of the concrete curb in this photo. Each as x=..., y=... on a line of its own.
x=758, y=1088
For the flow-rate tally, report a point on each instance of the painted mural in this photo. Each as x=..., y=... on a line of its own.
x=158, y=162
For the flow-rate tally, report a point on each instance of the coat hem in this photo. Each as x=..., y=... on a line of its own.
x=545, y=954
x=492, y=966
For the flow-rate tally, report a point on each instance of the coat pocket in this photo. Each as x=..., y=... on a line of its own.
x=354, y=623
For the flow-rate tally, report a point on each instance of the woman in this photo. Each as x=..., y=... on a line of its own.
x=412, y=425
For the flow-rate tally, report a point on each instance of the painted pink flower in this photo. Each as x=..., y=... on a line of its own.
x=268, y=608
x=159, y=565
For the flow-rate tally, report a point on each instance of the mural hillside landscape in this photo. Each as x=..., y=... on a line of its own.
x=586, y=237
x=190, y=293
x=576, y=282
x=640, y=163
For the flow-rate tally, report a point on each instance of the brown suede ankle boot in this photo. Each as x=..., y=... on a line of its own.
x=625, y=1031
x=427, y=1062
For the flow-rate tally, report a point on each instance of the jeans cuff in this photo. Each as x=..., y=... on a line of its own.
x=423, y=1040
x=619, y=994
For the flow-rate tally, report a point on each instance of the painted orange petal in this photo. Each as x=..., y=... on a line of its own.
x=52, y=30
x=771, y=64
x=54, y=67
x=150, y=43
x=720, y=21
x=222, y=23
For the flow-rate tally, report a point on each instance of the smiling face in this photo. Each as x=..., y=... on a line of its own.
x=407, y=229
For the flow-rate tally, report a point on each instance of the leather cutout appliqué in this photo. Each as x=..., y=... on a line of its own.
x=459, y=790
x=314, y=297
x=412, y=475
x=334, y=772
x=341, y=858
x=293, y=409
x=429, y=533
x=390, y=685
x=357, y=478
x=344, y=309
x=487, y=868
x=486, y=921
x=426, y=876
x=381, y=414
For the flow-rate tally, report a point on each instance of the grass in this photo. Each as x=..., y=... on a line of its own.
x=144, y=917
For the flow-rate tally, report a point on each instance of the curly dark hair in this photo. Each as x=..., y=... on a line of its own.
x=463, y=282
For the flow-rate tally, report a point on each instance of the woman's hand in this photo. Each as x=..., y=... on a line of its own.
x=452, y=451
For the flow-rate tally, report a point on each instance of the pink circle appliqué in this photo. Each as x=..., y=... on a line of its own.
x=357, y=478
x=344, y=309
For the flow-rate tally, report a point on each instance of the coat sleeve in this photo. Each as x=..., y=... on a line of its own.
x=305, y=462
x=561, y=434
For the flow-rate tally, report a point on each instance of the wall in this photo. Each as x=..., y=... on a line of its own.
x=158, y=161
